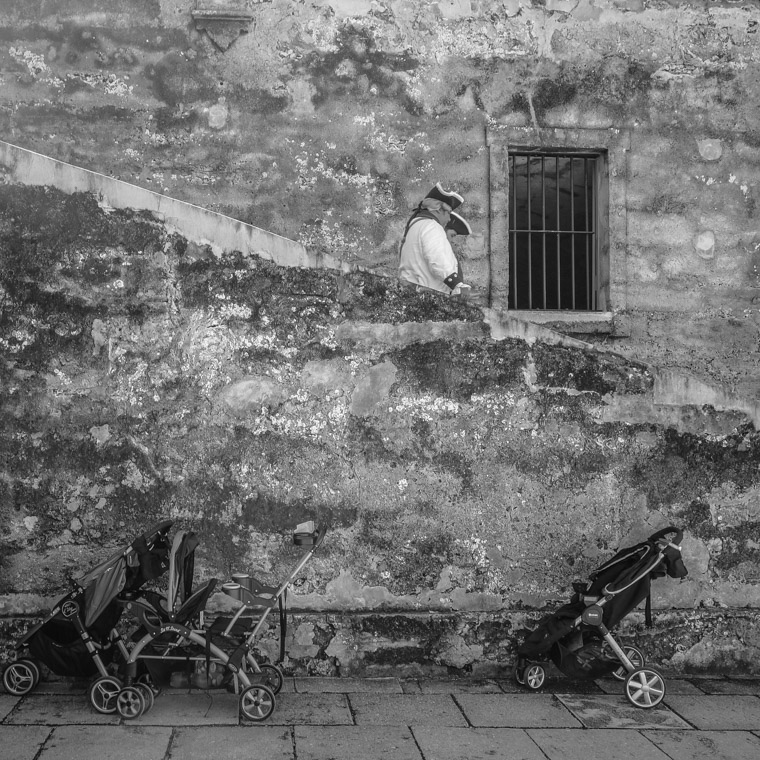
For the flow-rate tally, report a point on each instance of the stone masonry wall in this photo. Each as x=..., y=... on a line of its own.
x=326, y=121
x=466, y=480
x=469, y=464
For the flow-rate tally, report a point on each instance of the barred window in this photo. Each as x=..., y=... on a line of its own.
x=557, y=248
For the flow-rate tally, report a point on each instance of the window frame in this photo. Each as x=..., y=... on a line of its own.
x=541, y=246
x=611, y=179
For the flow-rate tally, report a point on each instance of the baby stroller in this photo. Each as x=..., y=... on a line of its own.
x=78, y=637
x=577, y=638
x=258, y=599
x=172, y=640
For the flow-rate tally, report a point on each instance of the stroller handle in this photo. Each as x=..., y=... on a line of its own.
x=658, y=542
x=320, y=537
x=661, y=534
x=309, y=535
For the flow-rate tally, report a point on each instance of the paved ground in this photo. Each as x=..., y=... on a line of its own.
x=397, y=719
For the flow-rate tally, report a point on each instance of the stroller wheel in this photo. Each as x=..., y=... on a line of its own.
x=257, y=702
x=272, y=677
x=147, y=693
x=645, y=688
x=130, y=703
x=103, y=692
x=637, y=660
x=146, y=680
x=21, y=676
x=534, y=677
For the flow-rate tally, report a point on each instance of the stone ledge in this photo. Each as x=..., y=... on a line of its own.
x=582, y=322
x=426, y=643
x=222, y=25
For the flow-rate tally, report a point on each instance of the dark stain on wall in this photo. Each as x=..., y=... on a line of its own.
x=178, y=79
x=685, y=466
x=460, y=371
x=587, y=372
x=357, y=68
x=616, y=81
x=261, y=101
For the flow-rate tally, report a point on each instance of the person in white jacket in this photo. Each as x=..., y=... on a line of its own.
x=427, y=258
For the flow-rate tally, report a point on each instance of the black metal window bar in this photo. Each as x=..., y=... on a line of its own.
x=553, y=236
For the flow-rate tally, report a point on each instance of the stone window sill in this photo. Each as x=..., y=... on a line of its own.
x=569, y=322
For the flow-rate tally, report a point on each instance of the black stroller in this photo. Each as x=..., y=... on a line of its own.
x=78, y=638
x=577, y=638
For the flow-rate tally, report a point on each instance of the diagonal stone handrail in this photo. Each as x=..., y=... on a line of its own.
x=197, y=224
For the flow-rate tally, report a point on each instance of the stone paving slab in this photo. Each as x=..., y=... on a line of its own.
x=510, y=686
x=254, y=742
x=516, y=711
x=706, y=745
x=311, y=710
x=288, y=685
x=730, y=686
x=678, y=686
x=566, y=686
x=66, y=688
x=106, y=743
x=616, y=712
x=460, y=686
x=476, y=744
x=672, y=686
x=57, y=710
x=377, y=719
x=7, y=703
x=718, y=712
x=554, y=684
x=355, y=743
x=406, y=710
x=348, y=685
x=204, y=708
x=610, y=744
x=22, y=742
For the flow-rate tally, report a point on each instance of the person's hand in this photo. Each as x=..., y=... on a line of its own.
x=461, y=290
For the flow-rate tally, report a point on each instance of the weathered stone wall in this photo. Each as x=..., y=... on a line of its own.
x=469, y=464
x=466, y=479
x=326, y=121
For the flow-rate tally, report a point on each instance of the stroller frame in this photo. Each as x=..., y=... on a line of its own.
x=175, y=634
x=254, y=595
x=644, y=686
x=88, y=615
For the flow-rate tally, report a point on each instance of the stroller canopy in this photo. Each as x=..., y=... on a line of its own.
x=181, y=566
x=142, y=560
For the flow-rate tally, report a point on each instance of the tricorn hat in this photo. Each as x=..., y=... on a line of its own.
x=459, y=225
x=447, y=196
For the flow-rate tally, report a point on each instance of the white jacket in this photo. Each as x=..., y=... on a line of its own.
x=427, y=258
